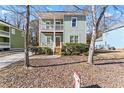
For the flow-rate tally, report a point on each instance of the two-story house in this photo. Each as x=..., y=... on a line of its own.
x=57, y=28
x=10, y=37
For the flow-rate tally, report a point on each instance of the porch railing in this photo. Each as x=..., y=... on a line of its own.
x=4, y=45
x=4, y=33
x=51, y=27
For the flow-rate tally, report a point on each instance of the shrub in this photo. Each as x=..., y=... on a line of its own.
x=48, y=51
x=34, y=50
x=41, y=50
x=74, y=49
x=76, y=53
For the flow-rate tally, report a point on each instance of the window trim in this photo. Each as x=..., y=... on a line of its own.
x=72, y=22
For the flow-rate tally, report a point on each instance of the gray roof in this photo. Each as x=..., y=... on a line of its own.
x=99, y=39
x=115, y=26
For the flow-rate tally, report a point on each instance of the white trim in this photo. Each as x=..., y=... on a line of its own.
x=71, y=21
x=54, y=34
x=10, y=37
x=40, y=26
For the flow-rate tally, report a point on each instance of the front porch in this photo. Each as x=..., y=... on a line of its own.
x=52, y=40
x=4, y=45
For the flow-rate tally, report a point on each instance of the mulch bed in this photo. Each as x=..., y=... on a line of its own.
x=58, y=73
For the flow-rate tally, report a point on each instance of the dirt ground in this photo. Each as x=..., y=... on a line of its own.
x=58, y=72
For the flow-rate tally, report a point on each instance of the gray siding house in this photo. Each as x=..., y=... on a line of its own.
x=57, y=28
x=113, y=37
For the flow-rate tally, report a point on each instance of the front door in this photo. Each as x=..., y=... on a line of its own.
x=58, y=40
x=58, y=48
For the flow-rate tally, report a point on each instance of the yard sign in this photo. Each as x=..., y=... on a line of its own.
x=76, y=80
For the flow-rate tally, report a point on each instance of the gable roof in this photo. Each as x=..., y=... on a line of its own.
x=59, y=14
x=8, y=24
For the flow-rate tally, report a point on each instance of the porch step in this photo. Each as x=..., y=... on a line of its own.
x=57, y=51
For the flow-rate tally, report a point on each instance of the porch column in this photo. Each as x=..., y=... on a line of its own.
x=40, y=28
x=54, y=35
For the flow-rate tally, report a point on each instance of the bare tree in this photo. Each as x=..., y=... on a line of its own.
x=96, y=23
x=34, y=30
x=14, y=15
x=27, y=36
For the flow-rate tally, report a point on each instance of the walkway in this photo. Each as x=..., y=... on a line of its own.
x=7, y=60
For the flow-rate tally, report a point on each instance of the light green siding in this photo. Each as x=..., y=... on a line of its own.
x=3, y=27
x=1, y=39
x=17, y=39
x=4, y=39
x=79, y=30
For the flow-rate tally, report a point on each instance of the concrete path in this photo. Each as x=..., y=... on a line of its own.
x=7, y=60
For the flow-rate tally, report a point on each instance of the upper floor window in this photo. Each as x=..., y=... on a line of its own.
x=48, y=24
x=13, y=31
x=74, y=21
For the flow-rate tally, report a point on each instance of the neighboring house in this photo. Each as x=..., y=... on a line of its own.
x=10, y=37
x=57, y=28
x=112, y=38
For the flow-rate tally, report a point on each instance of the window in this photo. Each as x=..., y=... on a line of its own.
x=74, y=22
x=74, y=39
x=48, y=24
x=13, y=31
x=49, y=40
x=71, y=38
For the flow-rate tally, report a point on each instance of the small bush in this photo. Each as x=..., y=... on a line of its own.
x=86, y=53
x=34, y=50
x=74, y=49
x=76, y=53
x=41, y=50
x=48, y=51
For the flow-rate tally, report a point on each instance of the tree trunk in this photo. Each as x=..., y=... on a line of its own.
x=92, y=44
x=27, y=37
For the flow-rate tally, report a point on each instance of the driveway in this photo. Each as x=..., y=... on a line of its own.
x=7, y=60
